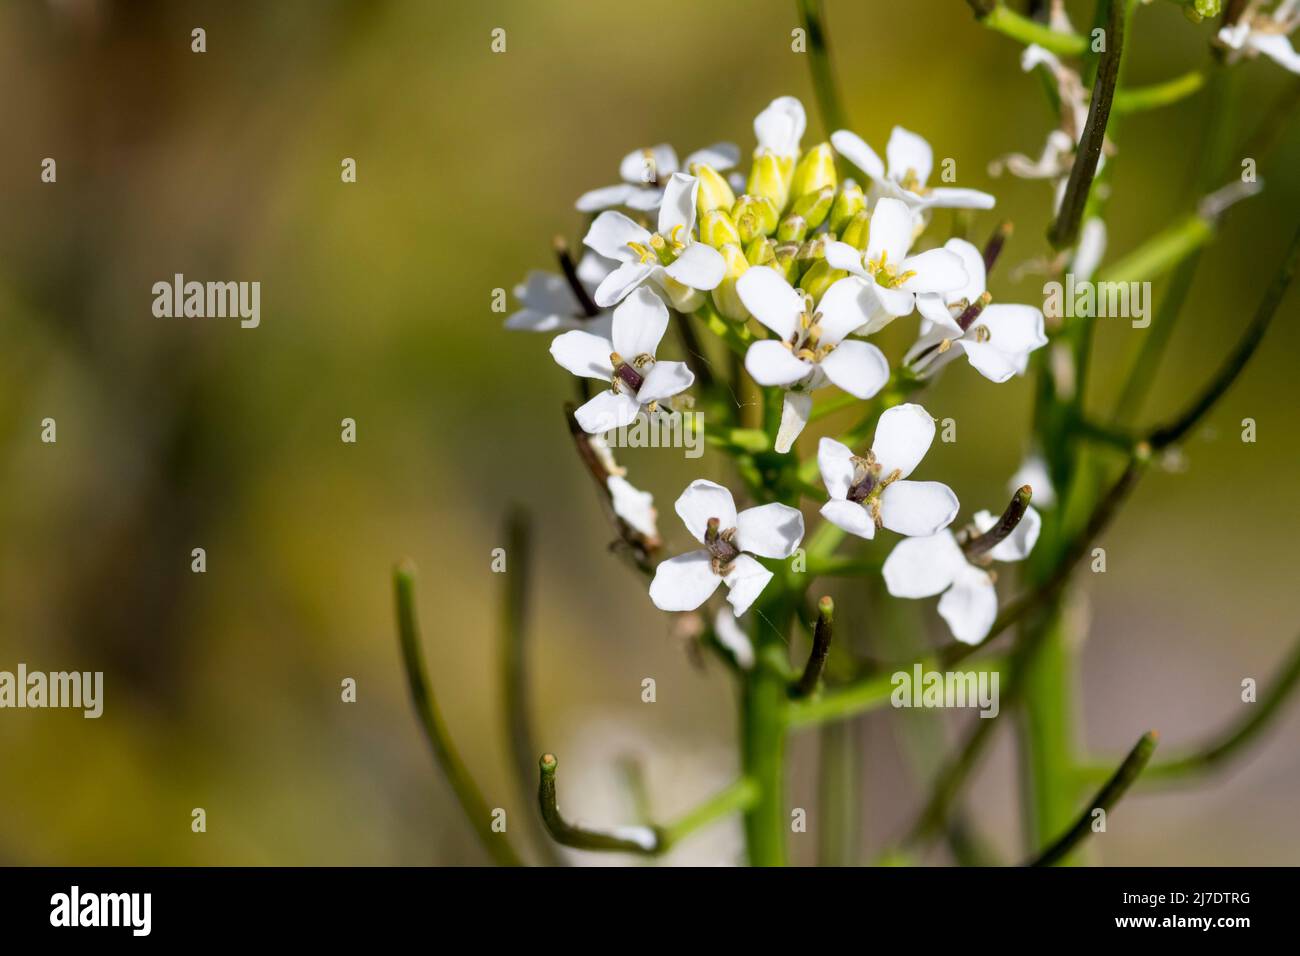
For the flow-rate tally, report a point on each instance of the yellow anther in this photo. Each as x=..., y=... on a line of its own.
x=645, y=254
x=945, y=345
x=672, y=237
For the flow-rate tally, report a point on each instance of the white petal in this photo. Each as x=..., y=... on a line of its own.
x=615, y=286
x=859, y=368
x=1090, y=250
x=846, y=306
x=891, y=231
x=640, y=322
x=903, y=436
x=684, y=583
x=607, y=411
x=917, y=509
x=610, y=234
x=644, y=199
x=769, y=531
x=937, y=270
x=745, y=583
x=1277, y=48
x=835, y=460
x=678, y=207
x=922, y=567
x=894, y=303
x=733, y=637
x=593, y=267
x=719, y=157
x=664, y=380
x=972, y=261
x=989, y=360
x=1033, y=472
x=841, y=255
x=948, y=197
x=606, y=197
x=855, y=149
x=970, y=606
x=849, y=516
x=780, y=127
x=906, y=151
x=703, y=500
x=770, y=299
x=934, y=307
x=699, y=266
x=795, y=409
x=583, y=354
x=770, y=363
x=1017, y=545
x=645, y=166
x=634, y=506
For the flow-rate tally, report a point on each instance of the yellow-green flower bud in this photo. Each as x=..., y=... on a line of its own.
x=820, y=277
x=848, y=203
x=815, y=171
x=793, y=228
x=770, y=177
x=761, y=252
x=724, y=296
x=717, y=229
x=714, y=192
x=754, y=216
x=810, y=252
x=814, y=207
x=857, y=231
x=787, y=258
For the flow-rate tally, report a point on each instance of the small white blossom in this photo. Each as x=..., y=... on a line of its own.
x=1257, y=32
x=871, y=492
x=627, y=362
x=634, y=506
x=707, y=509
x=645, y=172
x=911, y=161
x=812, y=350
x=670, y=258
x=997, y=340
x=924, y=567
x=896, y=277
x=780, y=127
x=551, y=305
x=733, y=637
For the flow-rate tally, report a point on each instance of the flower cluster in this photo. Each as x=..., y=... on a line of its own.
x=800, y=266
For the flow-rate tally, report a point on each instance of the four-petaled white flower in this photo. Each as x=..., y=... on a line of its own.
x=910, y=162
x=812, y=349
x=627, y=362
x=683, y=268
x=645, y=172
x=924, y=567
x=551, y=305
x=997, y=339
x=707, y=509
x=780, y=127
x=1258, y=32
x=872, y=491
x=896, y=277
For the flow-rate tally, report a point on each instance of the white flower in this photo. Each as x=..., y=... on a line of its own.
x=811, y=350
x=645, y=171
x=872, y=491
x=924, y=567
x=627, y=363
x=685, y=582
x=634, y=506
x=910, y=162
x=897, y=278
x=780, y=127
x=997, y=339
x=551, y=305
x=1257, y=32
x=670, y=258
x=733, y=637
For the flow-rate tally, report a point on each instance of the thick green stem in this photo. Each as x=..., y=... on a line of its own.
x=762, y=726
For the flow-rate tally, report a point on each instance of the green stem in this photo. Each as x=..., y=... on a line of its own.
x=829, y=103
x=762, y=730
x=1006, y=21
x=435, y=730
x=821, y=647
x=1137, y=99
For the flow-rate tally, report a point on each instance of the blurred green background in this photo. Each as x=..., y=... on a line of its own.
x=223, y=689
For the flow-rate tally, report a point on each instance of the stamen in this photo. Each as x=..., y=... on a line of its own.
x=968, y=317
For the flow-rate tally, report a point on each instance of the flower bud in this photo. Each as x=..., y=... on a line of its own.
x=724, y=296
x=787, y=258
x=820, y=277
x=770, y=177
x=815, y=171
x=717, y=229
x=754, y=216
x=857, y=231
x=682, y=297
x=810, y=252
x=848, y=203
x=814, y=207
x=714, y=192
x=761, y=252
x=793, y=228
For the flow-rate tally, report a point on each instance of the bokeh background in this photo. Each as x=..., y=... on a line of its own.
x=223, y=689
